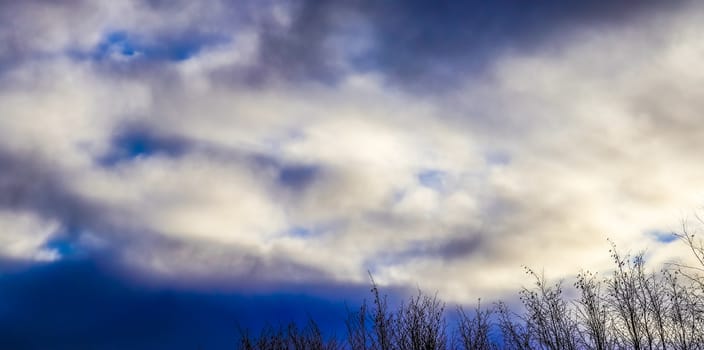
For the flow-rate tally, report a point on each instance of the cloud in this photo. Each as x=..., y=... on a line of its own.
x=419, y=43
x=24, y=235
x=310, y=142
x=36, y=192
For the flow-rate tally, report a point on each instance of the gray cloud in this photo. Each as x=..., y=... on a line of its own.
x=418, y=44
x=28, y=184
x=414, y=43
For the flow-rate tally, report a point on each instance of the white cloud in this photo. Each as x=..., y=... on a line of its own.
x=24, y=237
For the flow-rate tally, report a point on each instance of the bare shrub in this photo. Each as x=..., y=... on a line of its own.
x=515, y=335
x=593, y=318
x=548, y=316
x=473, y=329
x=291, y=337
x=420, y=324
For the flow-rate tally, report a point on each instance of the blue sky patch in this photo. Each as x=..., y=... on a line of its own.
x=132, y=45
x=298, y=231
x=662, y=237
x=313, y=229
x=434, y=179
x=116, y=43
x=64, y=247
x=138, y=143
x=66, y=242
x=297, y=176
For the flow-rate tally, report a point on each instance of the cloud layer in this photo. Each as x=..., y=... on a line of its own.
x=310, y=142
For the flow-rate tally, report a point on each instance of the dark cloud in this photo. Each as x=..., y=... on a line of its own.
x=33, y=184
x=89, y=303
x=204, y=264
x=459, y=247
x=420, y=42
x=448, y=249
x=414, y=43
x=26, y=26
x=297, y=50
x=84, y=304
x=28, y=183
x=439, y=40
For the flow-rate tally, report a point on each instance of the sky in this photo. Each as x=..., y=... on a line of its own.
x=171, y=168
